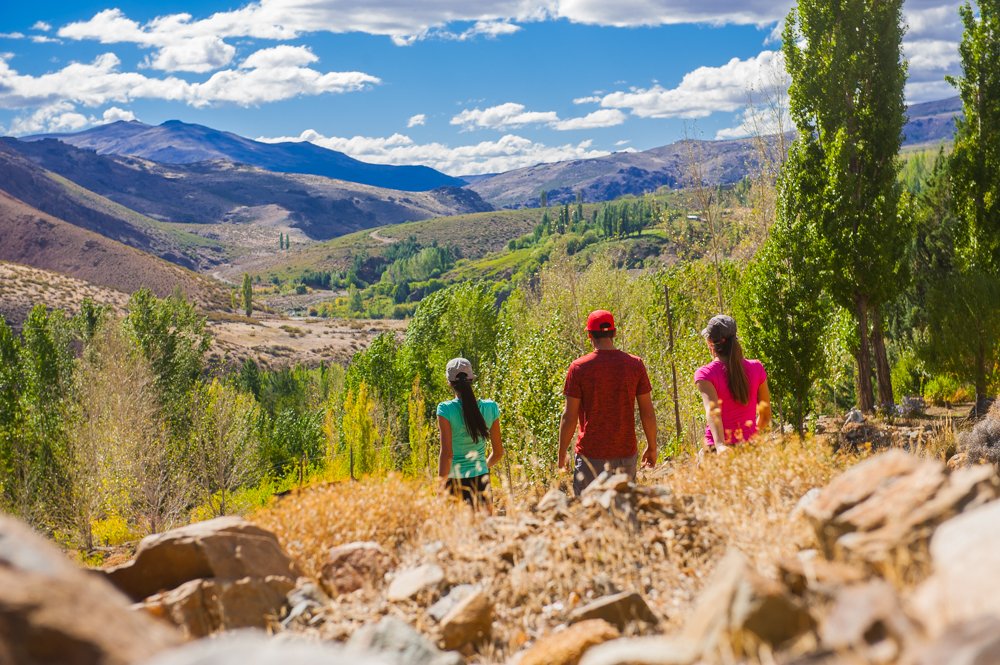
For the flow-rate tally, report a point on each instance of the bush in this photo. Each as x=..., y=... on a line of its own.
x=982, y=444
x=945, y=389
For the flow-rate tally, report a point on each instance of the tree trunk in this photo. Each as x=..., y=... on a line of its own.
x=882, y=370
x=866, y=399
x=981, y=397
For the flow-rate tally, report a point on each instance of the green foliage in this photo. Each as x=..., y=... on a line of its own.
x=247, y=295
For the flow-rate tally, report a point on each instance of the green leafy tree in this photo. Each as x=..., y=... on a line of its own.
x=846, y=99
x=247, y=295
x=975, y=167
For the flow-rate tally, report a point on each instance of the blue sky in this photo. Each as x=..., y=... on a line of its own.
x=466, y=87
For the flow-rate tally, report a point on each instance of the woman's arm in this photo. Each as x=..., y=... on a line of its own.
x=763, y=407
x=496, y=445
x=444, y=460
x=713, y=413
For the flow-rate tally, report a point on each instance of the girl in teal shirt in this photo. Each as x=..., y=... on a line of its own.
x=466, y=424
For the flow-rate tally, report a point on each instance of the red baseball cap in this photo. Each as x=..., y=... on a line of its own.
x=599, y=320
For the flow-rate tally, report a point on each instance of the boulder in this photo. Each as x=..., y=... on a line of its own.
x=965, y=555
x=399, y=643
x=555, y=501
x=410, y=582
x=737, y=603
x=568, y=646
x=354, y=566
x=256, y=648
x=809, y=572
x=225, y=548
x=53, y=613
x=856, y=436
x=642, y=651
x=446, y=603
x=202, y=607
x=618, y=609
x=975, y=642
x=868, y=619
x=468, y=622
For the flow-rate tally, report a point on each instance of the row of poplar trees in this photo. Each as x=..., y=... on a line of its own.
x=844, y=227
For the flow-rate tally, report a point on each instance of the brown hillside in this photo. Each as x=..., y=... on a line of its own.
x=31, y=237
x=22, y=287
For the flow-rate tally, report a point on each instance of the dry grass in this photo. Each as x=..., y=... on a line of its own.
x=537, y=567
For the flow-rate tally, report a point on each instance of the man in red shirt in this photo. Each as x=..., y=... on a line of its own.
x=601, y=391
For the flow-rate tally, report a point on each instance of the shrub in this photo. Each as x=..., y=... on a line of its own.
x=945, y=389
x=982, y=443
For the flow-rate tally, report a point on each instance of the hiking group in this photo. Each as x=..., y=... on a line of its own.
x=602, y=390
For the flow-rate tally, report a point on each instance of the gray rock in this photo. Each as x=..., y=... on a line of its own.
x=854, y=416
x=256, y=648
x=397, y=641
x=470, y=621
x=554, y=501
x=642, y=651
x=445, y=604
x=617, y=609
x=410, y=582
x=353, y=566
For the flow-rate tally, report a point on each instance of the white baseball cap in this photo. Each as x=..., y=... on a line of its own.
x=457, y=367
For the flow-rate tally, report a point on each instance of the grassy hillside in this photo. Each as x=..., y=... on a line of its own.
x=31, y=237
x=22, y=287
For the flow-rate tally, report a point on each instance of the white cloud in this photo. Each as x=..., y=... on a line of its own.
x=58, y=117
x=280, y=56
x=503, y=116
x=630, y=13
x=622, y=142
x=198, y=55
x=592, y=99
x=44, y=39
x=506, y=153
x=115, y=114
x=416, y=120
x=42, y=26
x=601, y=118
x=701, y=92
x=265, y=77
x=12, y=35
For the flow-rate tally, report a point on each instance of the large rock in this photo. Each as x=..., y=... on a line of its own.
x=643, y=651
x=880, y=509
x=470, y=621
x=53, y=613
x=253, y=648
x=737, y=603
x=225, y=548
x=203, y=607
x=412, y=581
x=965, y=555
x=618, y=609
x=868, y=619
x=568, y=646
x=354, y=566
x=975, y=642
x=396, y=639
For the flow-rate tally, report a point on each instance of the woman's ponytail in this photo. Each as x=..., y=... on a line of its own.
x=731, y=354
x=473, y=417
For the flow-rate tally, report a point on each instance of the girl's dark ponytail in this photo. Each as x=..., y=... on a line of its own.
x=731, y=354
x=473, y=417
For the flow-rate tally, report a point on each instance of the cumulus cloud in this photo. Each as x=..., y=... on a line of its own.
x=266, y=76
x=511, y=115
x=12, y=35
x=198, y=55
x=592, y=99
x=42, y=26
x=57, y=117
x=416, y=120
x=506, y=153
x=601, y=118
x=115, y=114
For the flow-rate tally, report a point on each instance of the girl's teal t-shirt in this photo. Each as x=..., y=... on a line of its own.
x=468, y=458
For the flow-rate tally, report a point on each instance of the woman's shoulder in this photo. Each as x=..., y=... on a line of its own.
x=755, y=367
x=709, y=371
x=488, y=404
x=443, y=408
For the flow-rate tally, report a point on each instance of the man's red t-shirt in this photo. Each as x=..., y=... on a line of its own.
x=607, y=383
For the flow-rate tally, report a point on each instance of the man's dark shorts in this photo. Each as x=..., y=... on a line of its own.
x=588, y=468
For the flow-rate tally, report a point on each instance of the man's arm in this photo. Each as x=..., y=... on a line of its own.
x=647, y=414
x=567, y=427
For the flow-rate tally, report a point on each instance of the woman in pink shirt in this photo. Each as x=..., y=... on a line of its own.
x=733, y=389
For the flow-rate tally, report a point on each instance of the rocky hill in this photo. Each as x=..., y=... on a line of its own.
x=932, y=122
x=220, y=191
x=31, y=237
x=176, y=142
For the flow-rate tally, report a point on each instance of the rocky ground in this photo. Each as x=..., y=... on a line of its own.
x=785, y=552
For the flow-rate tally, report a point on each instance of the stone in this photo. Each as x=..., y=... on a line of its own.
x=965, y=554
x=868, y=617
x=974, y=642
x=410, y=582
x=397, y=640
x=354, y=566
x=54, y=613
x=854, y=416
x=445, y=604
x=256, y=648
x=856, y=436
x=618, y=609
x=554, y=501
x=642, y=651
x=807, y=571
x=568, y=646
x=470, y=621
x=202, y=607
x=225, y=548
x=738, y=601
x=807, y=498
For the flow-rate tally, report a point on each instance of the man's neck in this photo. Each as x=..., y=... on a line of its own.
x=607, y=344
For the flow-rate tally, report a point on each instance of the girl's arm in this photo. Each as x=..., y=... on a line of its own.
x=496, y=454
x=713, y=413
x=763, y=407
x=444, y=460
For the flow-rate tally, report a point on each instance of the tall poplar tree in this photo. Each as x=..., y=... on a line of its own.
x=975, y=170
x=247, y=295
x=844, y=58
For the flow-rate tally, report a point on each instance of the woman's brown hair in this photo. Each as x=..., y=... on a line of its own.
x=731, y=354
x=473, y=417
